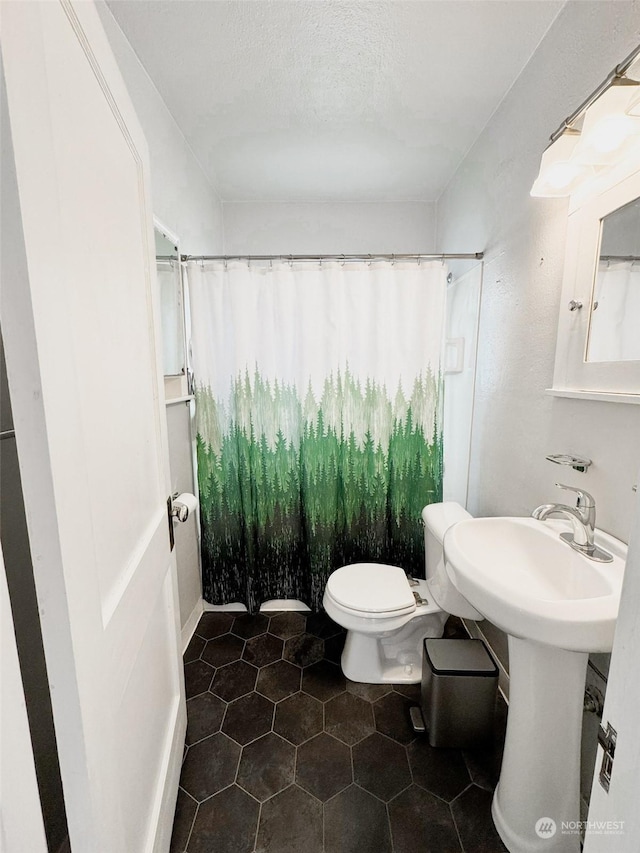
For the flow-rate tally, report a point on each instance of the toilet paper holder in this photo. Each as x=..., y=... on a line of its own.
x=182, y=504
x=179, y=506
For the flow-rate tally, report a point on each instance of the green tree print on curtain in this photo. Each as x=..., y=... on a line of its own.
x=319, y=420
x=290, y=494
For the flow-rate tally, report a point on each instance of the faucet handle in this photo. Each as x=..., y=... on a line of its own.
x=585, y=500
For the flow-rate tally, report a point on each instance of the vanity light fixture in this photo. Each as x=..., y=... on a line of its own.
x=559, y=170
x=595, y=134
x=634, y=105
x=607, y=126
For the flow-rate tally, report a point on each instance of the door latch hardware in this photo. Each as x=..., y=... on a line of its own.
x=607, y=740
x=170, y=515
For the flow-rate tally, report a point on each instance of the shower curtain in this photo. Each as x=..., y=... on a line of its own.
x=318, y=410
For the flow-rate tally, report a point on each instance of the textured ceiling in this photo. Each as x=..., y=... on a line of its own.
x=316, y=100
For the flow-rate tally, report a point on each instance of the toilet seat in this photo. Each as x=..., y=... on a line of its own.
x=374, y=590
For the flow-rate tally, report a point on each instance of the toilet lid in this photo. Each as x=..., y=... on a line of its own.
x=371, y=588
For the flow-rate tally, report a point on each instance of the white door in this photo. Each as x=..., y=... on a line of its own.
x=614, y=817
x=80, y=326
x=21, y=826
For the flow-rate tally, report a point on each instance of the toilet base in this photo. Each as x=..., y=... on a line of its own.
x=395, y=659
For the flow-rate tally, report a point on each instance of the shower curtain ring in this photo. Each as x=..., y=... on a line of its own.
x=343, y=260
x=369, y=261
x=291, y=261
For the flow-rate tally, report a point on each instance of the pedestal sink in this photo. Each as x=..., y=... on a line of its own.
x=556, y=605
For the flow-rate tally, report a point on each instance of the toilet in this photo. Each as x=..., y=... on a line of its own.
x=388, y=615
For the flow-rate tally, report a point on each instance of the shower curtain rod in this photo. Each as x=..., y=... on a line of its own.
x=471, y=256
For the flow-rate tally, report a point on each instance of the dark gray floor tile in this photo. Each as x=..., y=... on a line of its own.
x=349, y=718
x=204, y=716
x=324, y=680
x=484, y=763
x=246, y=625
x=223, y=650
x=234, y=680
x=410, y=691
x=354, y=822
x=303, y=650
x=380, y=766
x=441, y=771
x=392, y=717
x=472, y=814
x=355, y=819
x=198, y=675
x=422, y=822
x=226, y=823
x=322, y=626
x=278, y=680
x=298, y=718
x=288, y=624
x=210, y=766
x=194, y=649
x=248, y=718
x=324, y=766
x=186, y=808
x=484, y=766
x=370, y=692
x=214, y=623
x=333, y=648
x=290, y=822
x=263, y=650
x=267, y=766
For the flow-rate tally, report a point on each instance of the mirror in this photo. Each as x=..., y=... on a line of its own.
x=615, y=305
x=171, y=304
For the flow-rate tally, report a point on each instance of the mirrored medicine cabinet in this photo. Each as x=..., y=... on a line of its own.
x=598, y=347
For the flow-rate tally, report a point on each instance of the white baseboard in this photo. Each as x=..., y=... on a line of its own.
x=190, y=625
x=503, y=676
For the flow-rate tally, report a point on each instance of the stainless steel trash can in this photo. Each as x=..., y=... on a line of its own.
x=459, y=685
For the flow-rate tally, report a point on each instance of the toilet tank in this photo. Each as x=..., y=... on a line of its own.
x=437, y=519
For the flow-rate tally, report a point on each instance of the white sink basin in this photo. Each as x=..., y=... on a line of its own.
x=521, y=576
x=556, y=606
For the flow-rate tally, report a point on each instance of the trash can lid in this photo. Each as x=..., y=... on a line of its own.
x=459, y=657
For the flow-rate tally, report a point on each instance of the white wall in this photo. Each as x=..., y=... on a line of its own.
x=183, y=199
x=487, y=207
x=264, y=228
x=185, y=203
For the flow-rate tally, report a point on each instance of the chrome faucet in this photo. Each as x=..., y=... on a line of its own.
x=583, y=522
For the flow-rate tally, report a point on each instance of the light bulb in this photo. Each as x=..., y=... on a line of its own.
x=610, y=132
x=560, y=175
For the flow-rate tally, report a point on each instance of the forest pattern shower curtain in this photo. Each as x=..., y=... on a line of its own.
x=318, y=407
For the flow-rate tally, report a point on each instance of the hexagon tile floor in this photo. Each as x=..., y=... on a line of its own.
x=285, y=755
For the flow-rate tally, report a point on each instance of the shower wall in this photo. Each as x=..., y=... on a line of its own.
x=463, y=310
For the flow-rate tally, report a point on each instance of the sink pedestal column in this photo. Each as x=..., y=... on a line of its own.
x=540, y=775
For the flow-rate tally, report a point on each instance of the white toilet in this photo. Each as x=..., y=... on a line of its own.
x=386, y=617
